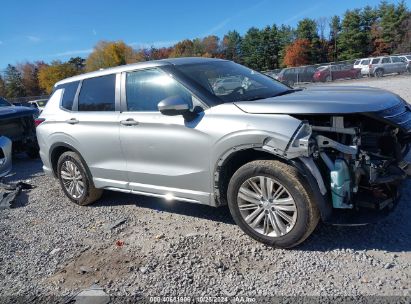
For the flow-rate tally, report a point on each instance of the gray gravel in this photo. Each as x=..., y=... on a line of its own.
x=132, y=245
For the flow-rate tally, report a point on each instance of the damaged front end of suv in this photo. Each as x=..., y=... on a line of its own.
x=357, y=158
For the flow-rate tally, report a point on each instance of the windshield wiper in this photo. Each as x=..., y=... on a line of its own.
x=278, y=94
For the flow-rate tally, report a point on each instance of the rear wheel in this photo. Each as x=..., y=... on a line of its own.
x=271, y=203
x=379, y=73
x=74, y=180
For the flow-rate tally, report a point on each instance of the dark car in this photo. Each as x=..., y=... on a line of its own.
x=333, y=72
x=290, y=76
x=17, y=123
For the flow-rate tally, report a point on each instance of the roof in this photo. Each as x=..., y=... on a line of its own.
x=140, y=65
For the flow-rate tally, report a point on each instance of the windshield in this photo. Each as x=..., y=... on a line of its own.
x=231, y=82
x=4, y=103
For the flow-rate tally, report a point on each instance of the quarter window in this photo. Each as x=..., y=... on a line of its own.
x=97, y=94
x=146, y=88
x=70, y=90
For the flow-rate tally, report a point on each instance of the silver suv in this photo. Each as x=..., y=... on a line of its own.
x=380, y=66
x=281, y=158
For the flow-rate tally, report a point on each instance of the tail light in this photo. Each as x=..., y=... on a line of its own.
x=38, y=121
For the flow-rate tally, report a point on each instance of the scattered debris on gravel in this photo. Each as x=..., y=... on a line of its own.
x=127, y=245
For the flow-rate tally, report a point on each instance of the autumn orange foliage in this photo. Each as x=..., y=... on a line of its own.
x=297, y=53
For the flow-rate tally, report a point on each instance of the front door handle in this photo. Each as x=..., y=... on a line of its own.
x=129, y=122
x=72, y=121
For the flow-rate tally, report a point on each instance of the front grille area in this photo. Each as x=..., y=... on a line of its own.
x=399, y=115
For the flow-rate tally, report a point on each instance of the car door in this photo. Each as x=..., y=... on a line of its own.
x=93, y=126
x=165, y=155
x=387, y=65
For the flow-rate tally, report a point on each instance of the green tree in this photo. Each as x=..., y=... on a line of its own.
x=232, y=46
x=307, y=30
x=251, y=48
x=2, y=87
x=269, y=48
x=391, y=18
x=14, y=82
x=198, y=47
x=78, y=63
x=286, y=36
x=353, y=39
x=335, y=29
x=405, y=44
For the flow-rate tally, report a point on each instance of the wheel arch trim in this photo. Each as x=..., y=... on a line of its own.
x=69, y=147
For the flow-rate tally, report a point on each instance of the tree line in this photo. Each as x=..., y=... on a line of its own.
x=369, y=31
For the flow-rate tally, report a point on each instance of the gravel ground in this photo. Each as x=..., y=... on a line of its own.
x=50, y=246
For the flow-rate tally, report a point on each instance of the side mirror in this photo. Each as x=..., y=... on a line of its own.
x=174, y=105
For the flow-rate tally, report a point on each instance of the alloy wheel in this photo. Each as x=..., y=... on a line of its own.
x=72, y=179
x=267, y=206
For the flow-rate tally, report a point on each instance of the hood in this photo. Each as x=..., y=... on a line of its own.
x=324, y=100
x=15, y=112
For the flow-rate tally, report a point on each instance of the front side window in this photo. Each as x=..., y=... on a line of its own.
x=146, y=88
x=395, y=59
x=70, y=90
x=386, y=60
x=366, y=61
x=97, y=94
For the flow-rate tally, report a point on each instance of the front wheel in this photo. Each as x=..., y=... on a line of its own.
x=270, y=202
x=75, y=181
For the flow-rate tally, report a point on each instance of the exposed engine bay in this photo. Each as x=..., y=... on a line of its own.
x=360, y=157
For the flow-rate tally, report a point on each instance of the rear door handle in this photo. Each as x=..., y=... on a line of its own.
x=72, y=121
x=129, y=122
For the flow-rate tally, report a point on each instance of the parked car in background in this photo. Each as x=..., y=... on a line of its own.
x=17, y=123
x=290, y=76
x=333, y=72
x=28, y=105
x=407, y=60
x=39, y=104
x=5, y=155
x=380, y=66
x=360, y=63
x=227, y=84
x=281, y=158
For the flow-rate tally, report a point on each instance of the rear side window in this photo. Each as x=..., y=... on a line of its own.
x=395, y=59
x=146, y=88
x=376, y=60
x=70, y=90
x=97, y=94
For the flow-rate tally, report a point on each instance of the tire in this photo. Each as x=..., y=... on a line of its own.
x=89, y=194
x=328, y=78
x=304, y=218
x=379, y=73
